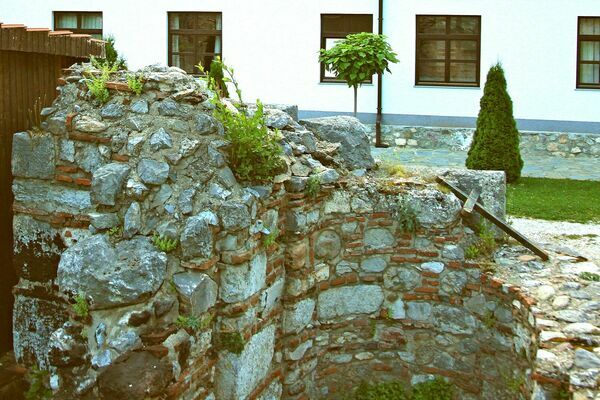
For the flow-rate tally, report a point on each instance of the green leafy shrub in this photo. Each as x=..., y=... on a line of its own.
x=135, y=83
x=472, y=252
x=357, y=58
x=38, y=385
x=81, y=306
x=436, y=389
x=97, y=84
x=380, y=391
x=217, y=77
x=495, y=143
x=407, y=217
x=115, y=231
x=313, y=187
x=164, y=243
x=489, y=319
x=590, y=276
x=254, y=153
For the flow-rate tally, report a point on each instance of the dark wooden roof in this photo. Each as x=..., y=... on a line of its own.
x=16, y=37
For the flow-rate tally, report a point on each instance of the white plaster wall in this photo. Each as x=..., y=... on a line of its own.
x=273, y=45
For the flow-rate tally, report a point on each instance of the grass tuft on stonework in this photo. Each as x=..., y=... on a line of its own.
x=554, y=199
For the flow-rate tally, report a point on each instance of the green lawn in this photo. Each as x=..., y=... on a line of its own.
x=554, y=199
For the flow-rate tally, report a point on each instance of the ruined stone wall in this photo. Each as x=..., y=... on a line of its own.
x=270, y=292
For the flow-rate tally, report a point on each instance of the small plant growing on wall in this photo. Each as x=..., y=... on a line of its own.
x=406, y=215
x=313, y=187
x=81, y=306
x=357, y=58
x=164, y=243
x=495, y=143
x=271, y=238
x=135, y=83
x=112, y=60
x=232, y=341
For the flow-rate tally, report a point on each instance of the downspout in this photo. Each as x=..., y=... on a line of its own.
x=378, y=142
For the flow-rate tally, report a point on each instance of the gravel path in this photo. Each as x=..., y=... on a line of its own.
x=567, y=306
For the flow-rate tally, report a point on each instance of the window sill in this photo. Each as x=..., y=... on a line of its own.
x=587, y=89
x=333, y=83
x=448, y=87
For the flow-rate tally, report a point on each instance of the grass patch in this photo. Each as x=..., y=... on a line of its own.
x=554, y=199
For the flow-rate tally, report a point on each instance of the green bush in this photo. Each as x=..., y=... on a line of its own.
x=38, y=385
x=496, y=140
x=81, y=306
x=313, y=187
x=254, y=153
x=135, y=83
x=381, y=391
x=112, y=59
x=436, y=389
x=164, y=243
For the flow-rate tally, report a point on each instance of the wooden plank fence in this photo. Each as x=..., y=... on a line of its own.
x=31, y=61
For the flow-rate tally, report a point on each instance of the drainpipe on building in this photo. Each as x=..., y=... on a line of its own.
x=378, y=142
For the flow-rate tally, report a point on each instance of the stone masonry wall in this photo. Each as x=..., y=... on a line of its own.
x=271, y=293
x=559, y=144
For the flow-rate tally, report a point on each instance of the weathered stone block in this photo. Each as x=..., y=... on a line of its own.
x=361, y=299
x=33, y=155
x=240, y=282
x=107, y=183
x=153, y=172
x=328, y=245
x=51, y=198
x=236, y=376
x=376, y=238
x=197, y=239
x=112, y=276
x=197, y=289
x=298, y=316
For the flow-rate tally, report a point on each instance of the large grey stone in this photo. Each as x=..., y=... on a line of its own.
x=133, y=220
x=586, y=359
x=234, y=215
x=337, y=302
x=373, y=264
x=298, y=316
x=107, y=183
x=140, y=107
x=160, y=140
x=112, y=276
x=419, y=311
x=453, y=320
x=197, y=239
x=240, y=282
x=376, y=238
x=112, y=111
x=328, y=245
x=197, y=290
x=153, y=172
x=453, y=282
x=236, y=376
x=89, y=125
x=204, y=124
x=89, y=158
x=33, y=155
x=51, y=198
x=355, y=147
x=433, y=208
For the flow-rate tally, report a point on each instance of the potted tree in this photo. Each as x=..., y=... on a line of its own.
x=357, y=58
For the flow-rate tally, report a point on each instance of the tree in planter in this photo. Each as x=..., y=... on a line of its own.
x=495, y=143
x=357, y=58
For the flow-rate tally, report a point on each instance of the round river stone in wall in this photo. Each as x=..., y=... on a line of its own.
x=112, y=276
x=328, y=245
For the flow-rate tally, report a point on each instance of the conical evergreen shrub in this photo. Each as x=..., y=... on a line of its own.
x=496, y=140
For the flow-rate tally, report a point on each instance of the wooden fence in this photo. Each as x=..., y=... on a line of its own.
x=31, y=61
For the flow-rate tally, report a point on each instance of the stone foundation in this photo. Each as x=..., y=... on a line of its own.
x=559, y=144
x=270, y=293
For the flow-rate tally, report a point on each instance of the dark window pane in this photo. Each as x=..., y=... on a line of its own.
x=464, y=25
x=431, y=71
x=91, y=21
x=589, y=74
x=590, y=51
x=432, y=49
x=589, y=26
x=66, y=21
x=197, y=21
x=463, y=72
x=463, y=50
x=432, y=24
x=344, y=24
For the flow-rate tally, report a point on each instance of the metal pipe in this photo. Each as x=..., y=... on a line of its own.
x=378, y=142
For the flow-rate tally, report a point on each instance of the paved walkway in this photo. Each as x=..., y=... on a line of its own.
x=535, y=166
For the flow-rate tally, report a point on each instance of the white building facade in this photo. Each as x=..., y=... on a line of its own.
x=550, y=50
